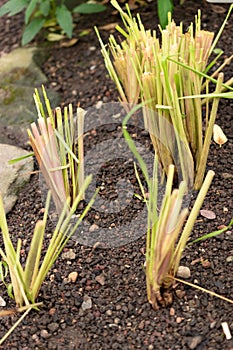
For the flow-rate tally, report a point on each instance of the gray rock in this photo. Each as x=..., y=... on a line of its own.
x=19, y=76
x=13, y=177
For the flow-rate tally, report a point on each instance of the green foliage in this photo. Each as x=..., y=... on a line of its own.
x=46, y=13
x=164, y=6
x=89, y=8
x=32, y=29
x=64, y=19
x=212, y=234
x=3, y=274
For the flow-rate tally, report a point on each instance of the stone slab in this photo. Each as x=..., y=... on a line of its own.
x=13, y=177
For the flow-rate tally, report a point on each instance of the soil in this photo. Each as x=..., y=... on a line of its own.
x=113, y=279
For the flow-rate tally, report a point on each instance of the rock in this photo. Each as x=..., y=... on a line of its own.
x=73, y=276
x=141, y=324
x=53, y=327
x=44, y=333
x=87, y=303
x=194, y=342
x=229, y=259
x=100, y=279
x=93, y=228
x=13, y=177
x=68, y=255
x=179, y=319
x=109, y=312
x=172, y=311
x=180, y=293
x=183, y=272
x=19, y=76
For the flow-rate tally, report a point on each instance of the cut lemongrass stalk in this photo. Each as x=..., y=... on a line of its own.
x=192, y=218
x=226, y=330
x=80, y=123
x=208, y=134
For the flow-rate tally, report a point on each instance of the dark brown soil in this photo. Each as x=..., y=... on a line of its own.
x=120, y=316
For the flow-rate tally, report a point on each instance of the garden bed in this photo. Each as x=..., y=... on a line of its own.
x=112, y=281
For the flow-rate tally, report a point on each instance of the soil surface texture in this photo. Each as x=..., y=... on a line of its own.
x=106, y=306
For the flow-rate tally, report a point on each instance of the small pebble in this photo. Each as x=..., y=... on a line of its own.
x=229, y=259
x=73, y=276
x=179, y=319
x=2, y=302
x=68, y=255
x=183, y=272
x=87, y=303
x=141, y=324
x=53, y=326
x=180, y=293
x=99, y=104
x=44, y=333
x=100, y=279
x=35, y=337
x=194, y=342
x=93, y=228
x=172, y=311
x=109, y=312
x=52, y=311
x=117, y=320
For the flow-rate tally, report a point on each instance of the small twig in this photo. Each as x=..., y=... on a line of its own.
x=203, y=289
x=14, y=326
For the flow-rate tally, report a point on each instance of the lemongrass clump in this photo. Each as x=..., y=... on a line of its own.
x=57, y=142
x=26, y=280
x=165, y=238
x=169, y=224
x=170, y=77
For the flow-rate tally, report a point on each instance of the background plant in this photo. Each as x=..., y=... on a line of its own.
x=46, y=14
x=164, y=7
x=171, y=78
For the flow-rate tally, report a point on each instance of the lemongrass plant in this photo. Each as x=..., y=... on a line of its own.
x=169, y=225
x=57, y=142
x=170, y=76
x=26, y=280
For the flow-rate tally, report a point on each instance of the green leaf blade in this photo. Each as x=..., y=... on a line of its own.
x=64, y=19
x=32, y=29
x=12, y=7
x=164, y=6
x=31, y=7
x=45, y=8
x=89, y=8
